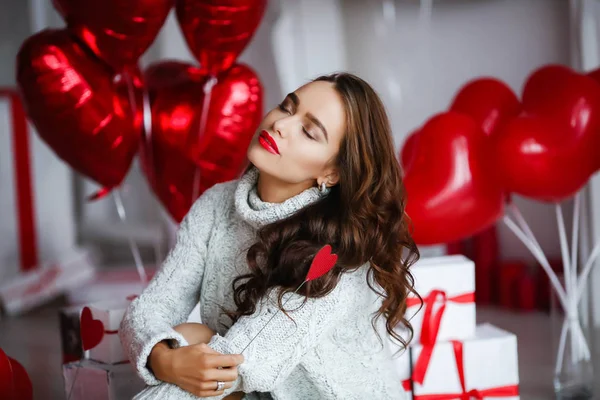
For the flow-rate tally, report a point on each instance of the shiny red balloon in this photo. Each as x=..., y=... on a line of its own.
x=117, y=31
x=217, y=31
x=449, y=190
x=534, y=157
x=408, y=150
x=177, y=147
x=490, y=102
x=571, y=101
x=14, y=380
x=79, y=108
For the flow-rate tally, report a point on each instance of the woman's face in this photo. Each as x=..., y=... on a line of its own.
x=297, y=141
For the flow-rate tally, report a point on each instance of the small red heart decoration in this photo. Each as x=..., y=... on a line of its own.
x=92, y=330
x=451, y=193
x=323, y=262
x=177, y=148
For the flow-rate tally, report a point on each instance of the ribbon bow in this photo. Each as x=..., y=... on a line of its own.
x=501, y=391
x=431, y=325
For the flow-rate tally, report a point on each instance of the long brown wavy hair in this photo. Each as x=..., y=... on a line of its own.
x=362, y=218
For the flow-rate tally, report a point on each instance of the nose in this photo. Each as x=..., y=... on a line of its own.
x=280, y=127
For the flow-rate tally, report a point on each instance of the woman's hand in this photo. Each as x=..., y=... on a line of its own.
x=195, y=368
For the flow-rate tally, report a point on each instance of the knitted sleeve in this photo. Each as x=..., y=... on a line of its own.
x=174, y=290
x=283, y=343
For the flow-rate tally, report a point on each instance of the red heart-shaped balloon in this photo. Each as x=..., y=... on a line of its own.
x=451, y=193
x=92, y=330
x=179, y=156
x=570, y=101
x=534, y=157
x=217, y=31
x=14, y=380
x=79, y=108
x=117, y=31
x=490, y=102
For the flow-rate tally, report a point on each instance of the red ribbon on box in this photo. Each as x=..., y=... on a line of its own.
x=501, y=391
x=431, y=325
x=23, y=186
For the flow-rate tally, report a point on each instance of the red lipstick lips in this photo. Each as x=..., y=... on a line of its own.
x=268, y=142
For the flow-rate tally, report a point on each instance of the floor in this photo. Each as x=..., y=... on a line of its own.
x=34, y=341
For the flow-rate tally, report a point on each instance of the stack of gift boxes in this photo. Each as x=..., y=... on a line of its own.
x=95, y=365
x=450, y=357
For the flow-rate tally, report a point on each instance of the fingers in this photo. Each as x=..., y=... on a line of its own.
x=224, y=360
x=207, y=389
x=224, y=375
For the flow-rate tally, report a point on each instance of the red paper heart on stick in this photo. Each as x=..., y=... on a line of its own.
x=218, y=31
x=117, y=31
x=451, y=192
x=177, y=147
x=323, y=261
x=79, y=108
x=92, y=330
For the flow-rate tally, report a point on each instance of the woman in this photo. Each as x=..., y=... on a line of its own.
x=323, y=171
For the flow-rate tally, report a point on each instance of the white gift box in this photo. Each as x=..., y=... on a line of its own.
x=89, y=380
x=99, y=325
x=49, y=280
x=36, y=195
x=484, y=366
x=447, y=286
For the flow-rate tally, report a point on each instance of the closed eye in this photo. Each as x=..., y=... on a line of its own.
x=285, y=110
x=307, y=134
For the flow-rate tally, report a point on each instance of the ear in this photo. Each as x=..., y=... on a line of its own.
x=331, y=176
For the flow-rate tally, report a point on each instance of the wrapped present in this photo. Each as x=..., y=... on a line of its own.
x=99, y=327
x=46, y=282
x=70, y=334
x=447, y=288
x=484, y=366
x=90, y=380
x=38, y=223
x=100, y=330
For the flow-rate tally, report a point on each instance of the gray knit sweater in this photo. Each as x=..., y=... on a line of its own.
x=329, y=350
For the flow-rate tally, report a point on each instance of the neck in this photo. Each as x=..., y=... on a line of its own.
x=273, y=190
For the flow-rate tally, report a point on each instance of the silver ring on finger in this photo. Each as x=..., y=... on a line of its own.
x=220, y=386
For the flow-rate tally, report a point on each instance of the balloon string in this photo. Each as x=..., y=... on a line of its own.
x=147, y=119
x=132, y=245
x=208, y=86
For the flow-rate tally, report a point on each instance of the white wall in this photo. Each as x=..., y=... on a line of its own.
x=417, y=66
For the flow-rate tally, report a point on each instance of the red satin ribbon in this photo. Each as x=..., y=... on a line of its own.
x=47, y=279
x=431, y=326
x=23, y=186
x=501, y=391
x=406, y=385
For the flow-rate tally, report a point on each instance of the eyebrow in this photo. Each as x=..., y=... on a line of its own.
x=294, y=98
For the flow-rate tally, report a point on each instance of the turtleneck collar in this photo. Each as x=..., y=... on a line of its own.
x=257, y=213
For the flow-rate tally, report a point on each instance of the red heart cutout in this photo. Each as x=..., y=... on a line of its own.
x=14, y=380
x=534, y=157
x=92, y=330
x=79, y=109
x=176, y=146
x=324, y=260
x=450, y=192
x=117, y=31
x=218, y=31
x=490, y=102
